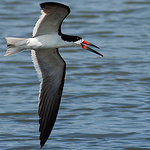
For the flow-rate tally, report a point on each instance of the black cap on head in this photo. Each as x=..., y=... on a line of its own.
x=70, y=38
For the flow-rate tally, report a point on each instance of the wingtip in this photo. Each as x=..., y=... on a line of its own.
x=45, y=4
x=42, y=144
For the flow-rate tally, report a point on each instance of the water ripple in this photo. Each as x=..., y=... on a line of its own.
x=105, y=103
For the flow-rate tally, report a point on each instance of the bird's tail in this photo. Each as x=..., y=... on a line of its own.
x=15, y=45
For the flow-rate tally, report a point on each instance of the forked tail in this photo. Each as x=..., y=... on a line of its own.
x=15, y=45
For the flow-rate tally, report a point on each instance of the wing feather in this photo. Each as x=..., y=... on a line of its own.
x=51, y=19
x=52, y=69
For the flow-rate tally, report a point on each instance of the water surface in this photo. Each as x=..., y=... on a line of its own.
x=106, y=101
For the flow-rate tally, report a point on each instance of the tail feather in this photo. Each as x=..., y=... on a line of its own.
x=14, y=45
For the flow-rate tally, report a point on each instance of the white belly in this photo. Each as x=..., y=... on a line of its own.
x=48, y=41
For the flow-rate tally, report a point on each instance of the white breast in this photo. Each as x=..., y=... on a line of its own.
x=49, y=41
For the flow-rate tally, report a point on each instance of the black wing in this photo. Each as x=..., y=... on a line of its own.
x=51, y=66
x=52, y=16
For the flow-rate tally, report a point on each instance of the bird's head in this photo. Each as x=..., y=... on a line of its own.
x=80, y=42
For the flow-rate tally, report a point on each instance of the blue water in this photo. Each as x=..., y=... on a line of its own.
x=106, y=101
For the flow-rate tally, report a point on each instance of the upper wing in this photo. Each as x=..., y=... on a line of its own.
x=52, y=16
x=52, y=68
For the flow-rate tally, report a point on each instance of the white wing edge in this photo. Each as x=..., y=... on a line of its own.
x=38, y=23
x=36, y=64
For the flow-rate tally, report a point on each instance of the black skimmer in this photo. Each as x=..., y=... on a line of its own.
x=47, y=38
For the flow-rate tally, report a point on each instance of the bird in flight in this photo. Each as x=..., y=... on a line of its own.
x=45, y=41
